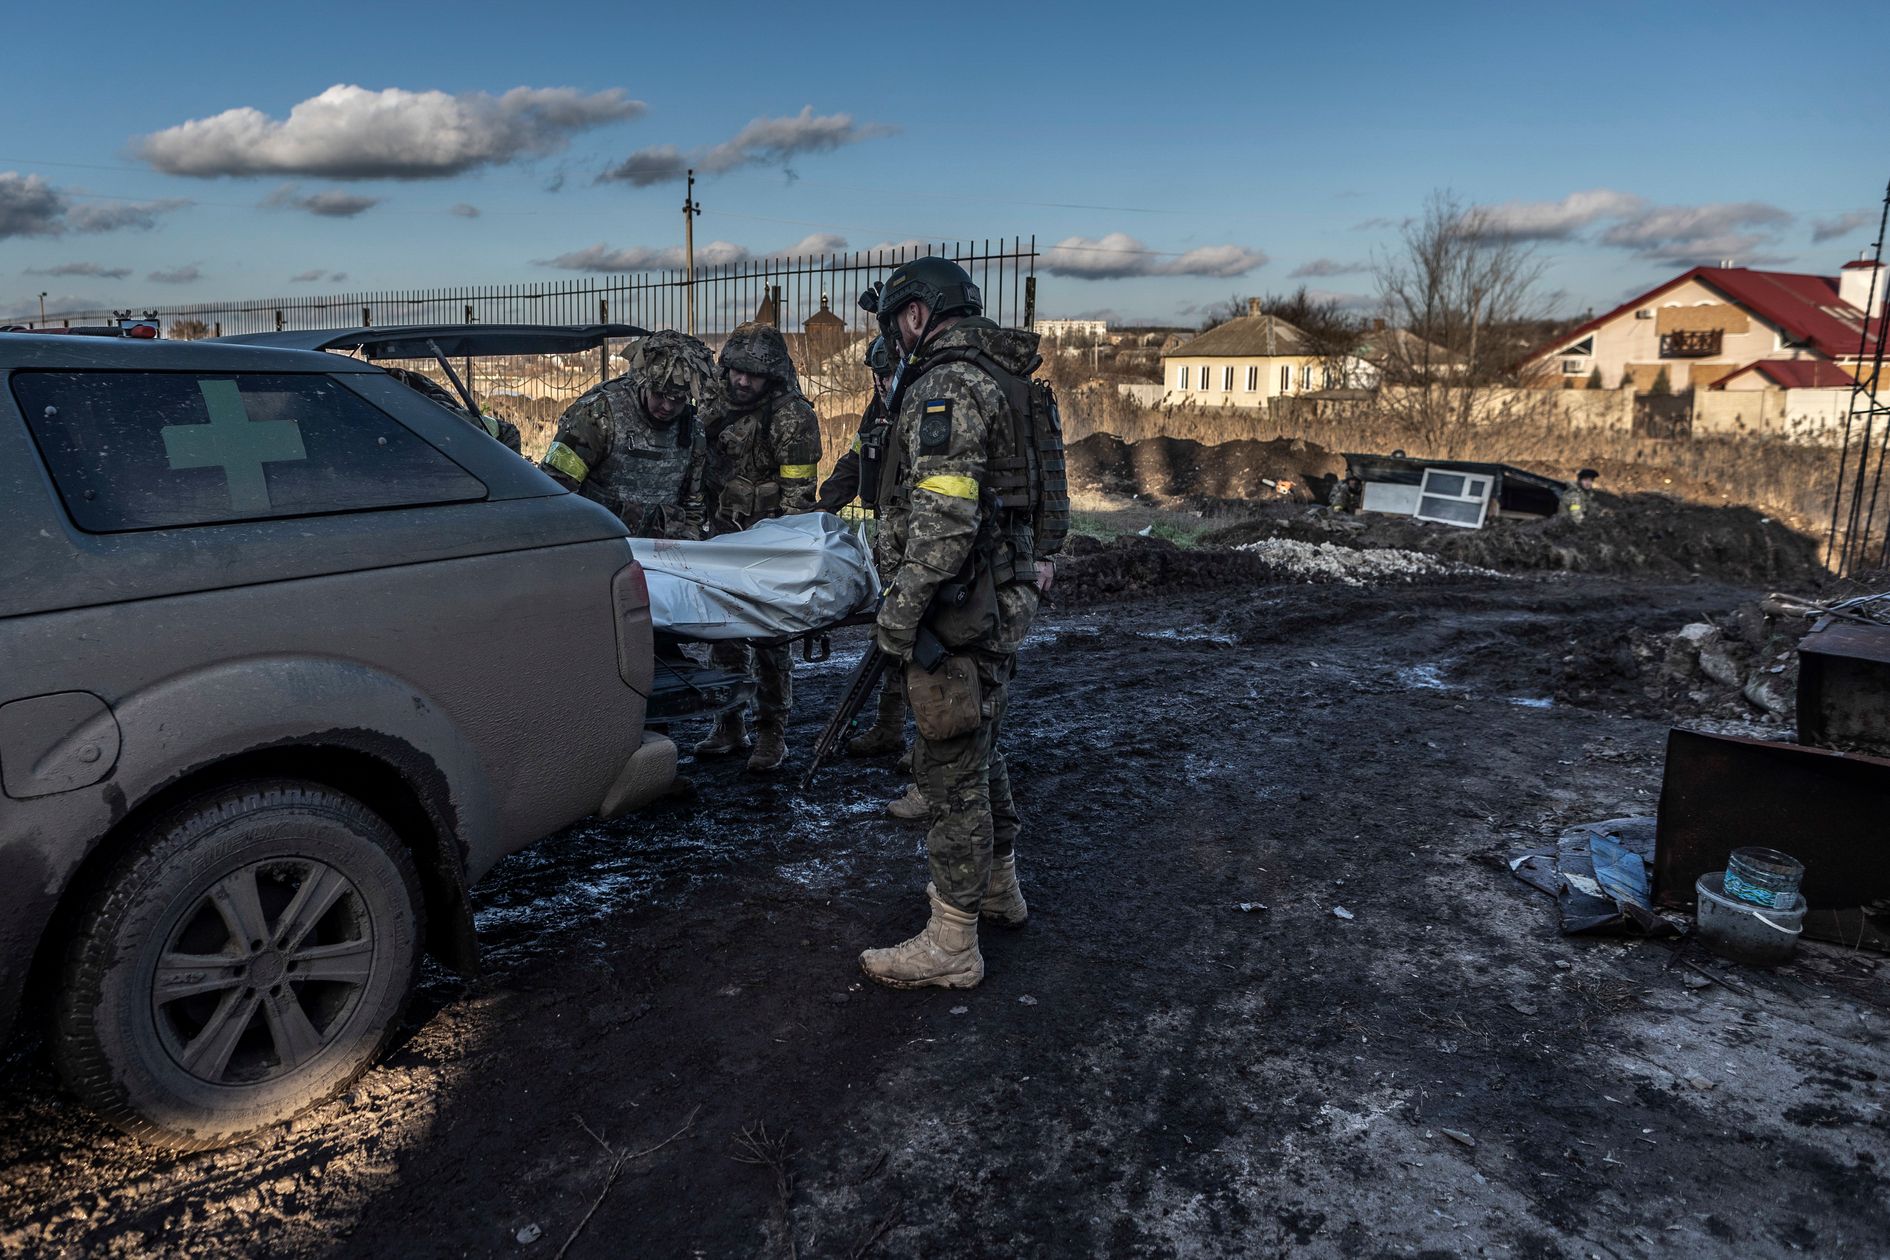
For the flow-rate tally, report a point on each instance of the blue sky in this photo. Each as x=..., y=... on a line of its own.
x=1179, y=155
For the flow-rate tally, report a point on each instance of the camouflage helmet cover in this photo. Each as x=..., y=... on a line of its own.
x=673, y=363
x=760, y=350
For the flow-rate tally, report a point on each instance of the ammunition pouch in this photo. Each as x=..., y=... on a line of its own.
x=743, y=500
x=948, y=702
x=965, y=609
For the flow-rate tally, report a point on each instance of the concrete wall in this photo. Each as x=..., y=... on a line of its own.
x=1625, y=343
x=1808, y=415
x=1610, y=410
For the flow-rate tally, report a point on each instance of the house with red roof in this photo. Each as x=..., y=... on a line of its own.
x=1711, y=324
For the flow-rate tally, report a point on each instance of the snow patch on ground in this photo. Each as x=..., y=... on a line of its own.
x=1329, y=562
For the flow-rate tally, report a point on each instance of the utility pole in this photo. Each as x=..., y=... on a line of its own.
x=690, y=209
x=42, y=310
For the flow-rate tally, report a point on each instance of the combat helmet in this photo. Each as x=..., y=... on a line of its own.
x=879, y=357
x=673, y=363
x=761, y=350
x=940, y=283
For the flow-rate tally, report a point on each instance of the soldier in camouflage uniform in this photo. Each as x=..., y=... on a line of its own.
x=496, y=426
x=1348, y=494
x=764, y=449
x=634, y=444
x=856, y=474
x=1579, y=499
x=950, y=416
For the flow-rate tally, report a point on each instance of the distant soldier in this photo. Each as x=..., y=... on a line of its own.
x=856, y=474
x=958, y=512
x=1578, y=501
x=764, y=449
x=635, y=445
x=1348, y=494
x=496, y=426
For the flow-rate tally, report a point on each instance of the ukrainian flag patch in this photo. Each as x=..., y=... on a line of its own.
x=935, y=427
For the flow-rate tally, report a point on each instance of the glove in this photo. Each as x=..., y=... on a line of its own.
x=894, y=642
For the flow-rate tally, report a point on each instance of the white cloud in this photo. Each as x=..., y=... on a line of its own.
x=1561, y=220
x=350, y=132
x=81, y=269
x=763, y=142
x=29, y=206
x=602, y=258
x=329, y=203
x=1119, y=255
x=1328, y=267
x=465, y=210
x=318, y=276
x=1823, y=230
x=1690, y=235
x=190, y=273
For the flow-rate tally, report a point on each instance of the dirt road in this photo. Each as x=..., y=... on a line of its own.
x=1189, y=1051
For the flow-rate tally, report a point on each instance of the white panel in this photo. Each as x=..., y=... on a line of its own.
x=1387, y=496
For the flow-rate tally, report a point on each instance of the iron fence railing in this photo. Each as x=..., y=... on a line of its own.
x=811, y=298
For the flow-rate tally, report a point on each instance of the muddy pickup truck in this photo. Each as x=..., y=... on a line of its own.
x=290, y=656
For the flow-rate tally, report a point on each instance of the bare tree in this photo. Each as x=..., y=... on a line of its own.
x=189, y=330
x=1329, y=330
x=1453, y=295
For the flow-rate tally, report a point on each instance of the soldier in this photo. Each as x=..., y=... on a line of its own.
x=856, y=474
x=1578, y=500
x=954, y=517
x=634, y=443
x=496, y=426
x=1348, y=493
x=764, y=449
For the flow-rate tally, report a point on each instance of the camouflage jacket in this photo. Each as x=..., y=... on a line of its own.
x=1576, y=503
x=761, y=459
x=496, y=426
x=609, y=450
x=933, y=518
x=1343, y=498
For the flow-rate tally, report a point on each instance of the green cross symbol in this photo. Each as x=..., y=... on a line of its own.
x=235, y=443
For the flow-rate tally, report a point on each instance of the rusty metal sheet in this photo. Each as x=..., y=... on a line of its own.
x=1827, y=809
x=1844, y=687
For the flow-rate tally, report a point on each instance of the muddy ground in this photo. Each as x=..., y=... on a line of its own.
x=1187, y=1052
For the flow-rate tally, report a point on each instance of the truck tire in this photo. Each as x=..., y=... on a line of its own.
x=243, y=960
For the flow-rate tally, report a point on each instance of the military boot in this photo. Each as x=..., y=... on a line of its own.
x=770, y=746
x=888, y=734
x=1003, y=900
x=911, y=807
x=728, y=739
x=945, y=954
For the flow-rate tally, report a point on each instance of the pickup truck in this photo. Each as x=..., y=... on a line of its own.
x=293, y=654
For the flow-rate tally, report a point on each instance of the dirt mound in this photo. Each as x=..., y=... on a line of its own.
x=1183, y=470
x=1646, y=534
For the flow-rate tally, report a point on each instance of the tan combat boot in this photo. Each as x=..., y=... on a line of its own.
x=1003, y=900
x=945, y=954
x=727, y=739
x=770, y=746
x=911, y=807
x=888, y=734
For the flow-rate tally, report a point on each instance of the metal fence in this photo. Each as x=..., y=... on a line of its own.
x=811, y=298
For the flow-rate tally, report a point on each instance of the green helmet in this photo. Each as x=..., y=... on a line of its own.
x=938, y=282
x=879, y=357
x=672, y=363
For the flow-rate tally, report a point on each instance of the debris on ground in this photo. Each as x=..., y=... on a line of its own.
x=1327, y=562
x=1598, y=874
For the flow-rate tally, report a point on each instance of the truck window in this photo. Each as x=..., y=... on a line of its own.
x=154, y=450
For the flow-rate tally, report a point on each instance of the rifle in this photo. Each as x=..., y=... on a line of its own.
x=862, y=683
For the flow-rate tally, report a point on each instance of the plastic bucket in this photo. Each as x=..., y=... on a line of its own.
x=1764, y=877
x=1744, y=932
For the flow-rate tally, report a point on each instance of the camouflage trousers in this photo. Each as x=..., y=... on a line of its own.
x=968, y=787
x=774, y=676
